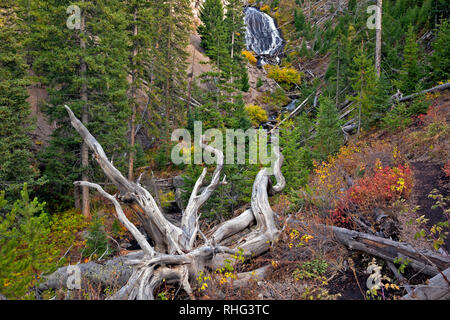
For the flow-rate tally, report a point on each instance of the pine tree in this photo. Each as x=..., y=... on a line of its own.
x=142, y=35
x=411, y=74
x=173, y=20
x=328, y=137
x=235, y=30
x=244, y=80
x=17, y=163
x=364, y=82
x=296, y=152
x=96, y=242
x=85, y=69
x=340, y=68
x=440, y=59
x=304, y=50
x=299, y=20
x=380, y=100
x=24, y=246
x=212, y=27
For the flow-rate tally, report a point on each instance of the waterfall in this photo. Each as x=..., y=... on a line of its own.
x=262, y=35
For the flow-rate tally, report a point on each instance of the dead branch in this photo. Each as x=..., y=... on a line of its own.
x=173, y=258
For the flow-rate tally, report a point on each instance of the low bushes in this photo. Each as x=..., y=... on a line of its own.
x=287, y=77
x=249, y=56
x=384, y=187
x=256, y=114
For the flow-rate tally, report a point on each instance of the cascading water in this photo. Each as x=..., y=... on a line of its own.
x=291, y=106
x=262, y=35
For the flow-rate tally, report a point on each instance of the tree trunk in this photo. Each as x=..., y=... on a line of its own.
x=378, y=38
x=76, y=195
x=337, y=77
x=133, y=99
x=440, y=87
x=85, y=206
x=191, y=78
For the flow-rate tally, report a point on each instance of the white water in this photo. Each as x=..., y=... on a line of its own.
x=262, y=35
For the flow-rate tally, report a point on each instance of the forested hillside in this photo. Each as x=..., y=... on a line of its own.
x=133, y=163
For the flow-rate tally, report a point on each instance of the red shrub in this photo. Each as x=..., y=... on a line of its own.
x=379, y=190
x=447, y=169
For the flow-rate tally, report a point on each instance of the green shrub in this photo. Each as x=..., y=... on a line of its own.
x=259, y=83
x=25, y=250
x=397, y=118
x=97, y=242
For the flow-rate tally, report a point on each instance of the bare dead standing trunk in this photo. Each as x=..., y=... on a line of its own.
x=179, y=253
x=85, y=205
x=378, y=39
x=133, y=96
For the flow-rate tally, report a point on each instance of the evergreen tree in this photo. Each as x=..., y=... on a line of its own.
x=244, y=80
x=299, y=20
x=173, y=21
x=235, y=30
x=411, y=74
x=328, y=137
x=17, y=164
x=24, y=247
x=364, y=82
x=96, y=242
x=296, y=152
x=141, y=21
x=85, y=69
x=212, y=29
x=341, y=66
x=440, y=59
x=380, y=100
x=304, y=50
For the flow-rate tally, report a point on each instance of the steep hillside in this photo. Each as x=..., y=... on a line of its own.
x=211, y=149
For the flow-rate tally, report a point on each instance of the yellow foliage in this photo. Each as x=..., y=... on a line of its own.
x=265, y=8
x=249, y=56
x=64, y=229
x=166, y=198
x=286, y=75
x=256, y=114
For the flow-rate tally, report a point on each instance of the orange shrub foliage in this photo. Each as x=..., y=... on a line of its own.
x=329, y=179
x=249, y=56
x=265, y=8
x=384, y=187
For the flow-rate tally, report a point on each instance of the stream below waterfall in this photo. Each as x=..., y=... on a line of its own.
x=264, y=38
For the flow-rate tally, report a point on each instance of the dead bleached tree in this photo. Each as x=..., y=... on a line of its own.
x=178, y=253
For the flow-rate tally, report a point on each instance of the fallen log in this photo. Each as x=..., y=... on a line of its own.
x=425, y=261
x=438, y=288
x=114, y=272
x=291, y=114
x=436, y=88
